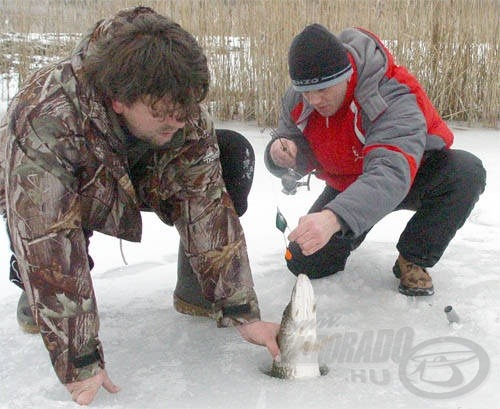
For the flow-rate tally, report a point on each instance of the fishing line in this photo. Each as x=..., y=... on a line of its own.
x=122, y=253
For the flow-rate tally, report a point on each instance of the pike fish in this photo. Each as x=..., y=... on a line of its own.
x=297, y=336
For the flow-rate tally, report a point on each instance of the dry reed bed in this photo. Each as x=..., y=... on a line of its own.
x=452, y=46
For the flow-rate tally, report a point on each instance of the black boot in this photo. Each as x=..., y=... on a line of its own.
x=25, y=317
x=188, y=297
x=237, y=160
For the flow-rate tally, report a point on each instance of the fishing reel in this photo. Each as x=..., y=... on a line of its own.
x=290, y=181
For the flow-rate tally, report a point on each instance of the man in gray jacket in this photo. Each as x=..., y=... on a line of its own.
x=365, y=126
x=91, y=141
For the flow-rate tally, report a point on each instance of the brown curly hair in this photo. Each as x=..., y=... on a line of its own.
x=141, y=55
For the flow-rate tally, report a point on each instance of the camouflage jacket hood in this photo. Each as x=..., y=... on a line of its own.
x=67, y=168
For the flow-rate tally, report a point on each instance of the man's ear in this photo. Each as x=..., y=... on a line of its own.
x=118, y=106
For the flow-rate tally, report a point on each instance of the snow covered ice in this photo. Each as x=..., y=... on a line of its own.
x=162, y=359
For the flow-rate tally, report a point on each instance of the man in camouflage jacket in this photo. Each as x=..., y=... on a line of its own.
x=81, y=153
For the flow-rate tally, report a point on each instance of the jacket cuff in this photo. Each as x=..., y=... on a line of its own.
x=241, y=308
x=86, y=372
x=83, y=366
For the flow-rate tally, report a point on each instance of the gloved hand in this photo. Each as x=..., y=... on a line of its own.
x=84, y=392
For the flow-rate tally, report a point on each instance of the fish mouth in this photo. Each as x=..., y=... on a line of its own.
x=303, y=306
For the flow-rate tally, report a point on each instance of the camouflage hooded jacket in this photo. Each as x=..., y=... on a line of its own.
x=67, y=169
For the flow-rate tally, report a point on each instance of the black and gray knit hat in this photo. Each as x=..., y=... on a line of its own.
x=317, y=59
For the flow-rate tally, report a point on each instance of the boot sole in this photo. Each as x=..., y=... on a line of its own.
x=29, y=328
x=416, y=292
x=186, y=308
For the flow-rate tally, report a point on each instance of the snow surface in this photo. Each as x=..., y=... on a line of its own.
x=162, y=359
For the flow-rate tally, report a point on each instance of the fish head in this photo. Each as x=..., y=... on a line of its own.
x=297, y=336
x=302, y=303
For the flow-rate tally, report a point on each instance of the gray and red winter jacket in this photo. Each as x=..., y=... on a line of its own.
x=371, y=148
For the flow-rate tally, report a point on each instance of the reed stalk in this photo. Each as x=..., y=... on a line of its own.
x=452, y=46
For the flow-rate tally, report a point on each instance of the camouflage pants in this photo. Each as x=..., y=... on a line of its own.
x=444, y=192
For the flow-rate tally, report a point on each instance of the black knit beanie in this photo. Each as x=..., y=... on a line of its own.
x=317, y=59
